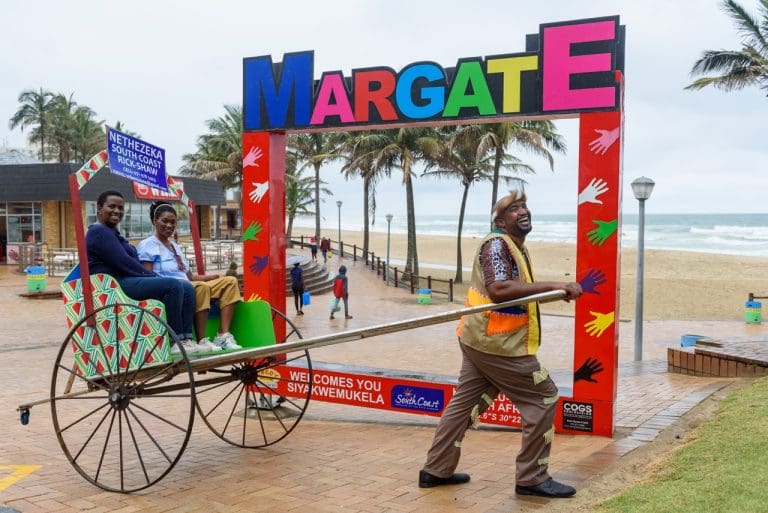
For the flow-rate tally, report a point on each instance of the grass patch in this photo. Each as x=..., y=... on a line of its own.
x=724, y=469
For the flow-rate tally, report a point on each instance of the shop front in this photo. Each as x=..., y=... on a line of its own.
x=36, y=216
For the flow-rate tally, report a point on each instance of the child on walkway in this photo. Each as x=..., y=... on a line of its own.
x=341, y=292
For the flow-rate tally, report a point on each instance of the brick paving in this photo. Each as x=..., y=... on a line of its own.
x=339, y=458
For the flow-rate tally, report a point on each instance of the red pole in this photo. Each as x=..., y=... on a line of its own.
x=82, y=251
x=199, y=257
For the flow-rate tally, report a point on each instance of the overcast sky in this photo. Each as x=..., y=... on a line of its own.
x=164, y=67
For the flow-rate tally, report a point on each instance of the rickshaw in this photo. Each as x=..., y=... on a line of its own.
x=123, y=405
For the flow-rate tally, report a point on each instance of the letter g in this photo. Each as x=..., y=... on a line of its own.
x=434, y=96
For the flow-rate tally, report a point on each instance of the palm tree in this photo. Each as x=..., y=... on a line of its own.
x=35, y=112
x=462, y=154
x=299, y=192
x=219, y=152
x=537, y=137
x=87, y=134
x=400, y=148
x=62, y=125
x=360, y=163
x=737, y=69
x=316, y=149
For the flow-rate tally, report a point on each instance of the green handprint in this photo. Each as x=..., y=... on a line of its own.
x=252, y=231
x=604, y=229
x=599, y=324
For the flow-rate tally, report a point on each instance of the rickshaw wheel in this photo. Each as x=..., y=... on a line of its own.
x=120, y=421
x=257, y=403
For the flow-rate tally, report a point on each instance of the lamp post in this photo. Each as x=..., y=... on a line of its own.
x=341, y=249
x=389, y=224
x=641, y=188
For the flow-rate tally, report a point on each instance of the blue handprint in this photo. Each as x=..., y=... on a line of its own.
x=591, y=280
x=259, y=263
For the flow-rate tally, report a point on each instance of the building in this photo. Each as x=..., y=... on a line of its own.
x=35, y=205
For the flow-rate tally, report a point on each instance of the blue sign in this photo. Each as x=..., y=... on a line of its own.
x=417, y=398
x=136, y=160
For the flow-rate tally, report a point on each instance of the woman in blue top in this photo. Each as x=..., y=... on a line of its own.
x=110, y=253
x=297, y=286
x=163, y=256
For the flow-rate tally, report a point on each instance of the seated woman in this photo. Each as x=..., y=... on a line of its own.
x=159, y=253
x=110, y=253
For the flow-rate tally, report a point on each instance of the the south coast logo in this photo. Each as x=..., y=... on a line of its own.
x=417, y=398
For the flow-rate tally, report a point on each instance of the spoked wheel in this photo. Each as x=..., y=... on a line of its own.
x=257, y=403
x=121, y=423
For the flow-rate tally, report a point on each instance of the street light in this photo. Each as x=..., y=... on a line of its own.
x=642, y=188
x=389, y=224
x=341, y=249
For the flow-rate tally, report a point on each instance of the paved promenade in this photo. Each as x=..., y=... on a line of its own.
x=339, y=458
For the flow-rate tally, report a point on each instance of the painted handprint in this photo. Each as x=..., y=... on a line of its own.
x=258, y=193
x=259, y=263
x=591, y=280
x=604, y=229
x=589, y=368
x=254, y=154
x=607, y=137
x=599, y=324
x=590, y=193
x=252, y=231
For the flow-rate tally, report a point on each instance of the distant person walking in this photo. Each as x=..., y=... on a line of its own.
x=325, y=247
x=341, y=292
x=313, y=247
x=297, y=286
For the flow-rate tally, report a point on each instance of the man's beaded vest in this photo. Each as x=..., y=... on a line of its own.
x=511, y=331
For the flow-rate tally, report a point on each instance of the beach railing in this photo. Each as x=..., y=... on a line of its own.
x=409, y=281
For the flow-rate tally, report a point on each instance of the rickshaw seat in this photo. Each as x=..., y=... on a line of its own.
x=141, y=336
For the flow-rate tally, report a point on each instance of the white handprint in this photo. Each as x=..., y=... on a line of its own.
x=590, y=193
x=253, y=155
x=605, y=141
x=258, y=193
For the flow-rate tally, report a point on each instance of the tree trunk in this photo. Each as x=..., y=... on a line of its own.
x=496, y=167
x=289, y=230
x=412, y=259
x=459, y=278
x=366, y=193
x=317, y=201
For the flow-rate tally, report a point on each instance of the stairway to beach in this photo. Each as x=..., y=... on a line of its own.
x=317, y=279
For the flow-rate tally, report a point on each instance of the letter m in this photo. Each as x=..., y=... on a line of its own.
x=277, y=95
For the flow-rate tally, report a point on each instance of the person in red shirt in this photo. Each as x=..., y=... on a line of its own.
x=341, y=292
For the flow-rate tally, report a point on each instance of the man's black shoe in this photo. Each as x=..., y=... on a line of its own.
x=549, y=488
x=428, y=480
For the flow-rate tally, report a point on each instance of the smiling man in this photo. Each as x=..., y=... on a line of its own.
x=499, y=354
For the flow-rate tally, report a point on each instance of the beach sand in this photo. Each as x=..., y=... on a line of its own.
x=678, y=285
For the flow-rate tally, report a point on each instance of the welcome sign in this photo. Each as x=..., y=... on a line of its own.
x=568, y=67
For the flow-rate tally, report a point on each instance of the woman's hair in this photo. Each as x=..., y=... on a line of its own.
x=157, y=208
x=104, y=195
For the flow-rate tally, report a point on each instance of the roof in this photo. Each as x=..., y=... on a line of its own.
x=16, y=157
x=41, y=182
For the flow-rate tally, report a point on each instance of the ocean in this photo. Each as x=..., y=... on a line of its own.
x=732, y=234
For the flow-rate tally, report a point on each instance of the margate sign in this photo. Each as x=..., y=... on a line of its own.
x=568, y=67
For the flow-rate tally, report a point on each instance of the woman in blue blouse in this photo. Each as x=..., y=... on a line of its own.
x=110, y=253
x=160, y=254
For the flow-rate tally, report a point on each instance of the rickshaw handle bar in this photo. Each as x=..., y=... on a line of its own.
x=371, y=331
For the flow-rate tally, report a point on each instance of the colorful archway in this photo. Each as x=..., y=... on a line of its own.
x=569, y=69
